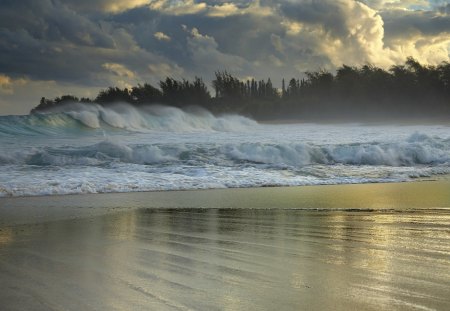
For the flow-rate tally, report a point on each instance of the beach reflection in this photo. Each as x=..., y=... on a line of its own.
x=6, y=236
x=231, y=259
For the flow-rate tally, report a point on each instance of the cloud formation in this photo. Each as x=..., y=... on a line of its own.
x=81, y=44
x=161, y=36
x=110, y=6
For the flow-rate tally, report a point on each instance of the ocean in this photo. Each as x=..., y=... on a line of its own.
x=380, y=243
x=93, y=149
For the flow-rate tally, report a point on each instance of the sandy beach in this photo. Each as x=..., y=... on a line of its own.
x=347, y=247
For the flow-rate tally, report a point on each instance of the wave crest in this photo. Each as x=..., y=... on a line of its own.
x=431, y=151
x=73, y=117
x=427, y=151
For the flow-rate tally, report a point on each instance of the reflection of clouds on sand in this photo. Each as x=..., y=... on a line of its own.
x=272, y=248
x=6, y=236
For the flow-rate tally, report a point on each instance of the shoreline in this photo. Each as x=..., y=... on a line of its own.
x=357, y=246
x=402, y=196
x=440, y=177
x=167, y=251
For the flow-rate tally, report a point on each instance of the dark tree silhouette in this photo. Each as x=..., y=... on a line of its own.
x=184, y=93
x=145, y=94
x=409, y=90
x=114, y=94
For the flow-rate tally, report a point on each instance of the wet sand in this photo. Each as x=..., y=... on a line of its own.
x=349, y=247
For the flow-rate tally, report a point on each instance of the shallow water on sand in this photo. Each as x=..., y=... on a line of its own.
x=234, y=258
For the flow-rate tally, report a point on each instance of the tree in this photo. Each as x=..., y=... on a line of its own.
x=145, y=94
x=227, y=86
x=184, y=93
x=112, y=95
x=405, y=90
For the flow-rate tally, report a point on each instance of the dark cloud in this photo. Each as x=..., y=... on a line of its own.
x=52, y=42
x=445, y=9
x=39, y=39
x=400, y=23
x=96, y=43
x=440, y=4
x=235, y=34
x=52, y=21
x=143, y=23
x=106, y=6
x=328, y=14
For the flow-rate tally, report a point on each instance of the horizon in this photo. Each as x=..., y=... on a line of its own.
x=59, y=47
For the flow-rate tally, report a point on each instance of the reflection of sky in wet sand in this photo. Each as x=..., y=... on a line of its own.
x=230, y=259
x=6, y=236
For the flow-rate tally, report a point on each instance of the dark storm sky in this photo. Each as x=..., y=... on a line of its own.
x=53, y=47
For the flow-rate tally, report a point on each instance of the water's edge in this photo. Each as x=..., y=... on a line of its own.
x=378, y=197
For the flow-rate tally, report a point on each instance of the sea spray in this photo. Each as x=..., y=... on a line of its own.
x=65, y=119
x=406, y=153
x=166, y=148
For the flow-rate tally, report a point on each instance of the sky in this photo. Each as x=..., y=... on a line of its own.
x=49, y=48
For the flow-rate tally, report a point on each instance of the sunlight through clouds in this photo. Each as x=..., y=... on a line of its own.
x=92, y=43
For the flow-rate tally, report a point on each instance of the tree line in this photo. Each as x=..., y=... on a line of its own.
x=409, y=90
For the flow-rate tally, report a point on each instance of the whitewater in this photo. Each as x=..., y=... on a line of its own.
x=83, y=148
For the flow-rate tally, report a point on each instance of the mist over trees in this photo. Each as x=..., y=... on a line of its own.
x=409, y=90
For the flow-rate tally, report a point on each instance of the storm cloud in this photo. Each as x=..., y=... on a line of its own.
x=55, y=46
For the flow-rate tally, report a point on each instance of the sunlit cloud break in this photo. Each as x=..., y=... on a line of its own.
x=94, y=44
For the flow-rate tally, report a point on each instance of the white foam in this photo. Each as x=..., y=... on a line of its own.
x=156, y=117
x=294, y=154
x=264, y=155
x=88, y=118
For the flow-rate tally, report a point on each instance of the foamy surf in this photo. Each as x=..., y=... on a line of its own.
x=93, y=149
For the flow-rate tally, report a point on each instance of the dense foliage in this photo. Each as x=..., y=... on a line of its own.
x=411, y=90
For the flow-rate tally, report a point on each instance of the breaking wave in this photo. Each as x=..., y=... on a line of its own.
x=73, y=118
x=92, y=149
x=418, y=149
